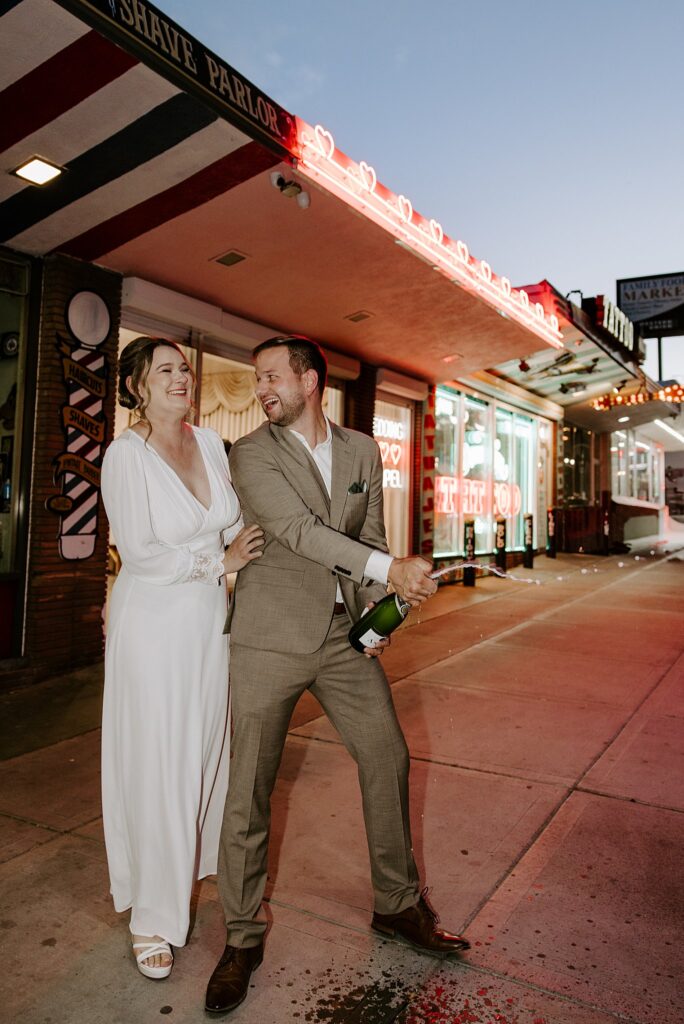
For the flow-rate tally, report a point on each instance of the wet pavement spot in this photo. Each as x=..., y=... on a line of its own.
x=377, y=1002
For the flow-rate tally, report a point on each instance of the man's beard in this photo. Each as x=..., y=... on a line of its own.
x=290, y=411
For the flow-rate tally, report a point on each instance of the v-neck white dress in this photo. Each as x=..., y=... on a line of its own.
x=165, y=737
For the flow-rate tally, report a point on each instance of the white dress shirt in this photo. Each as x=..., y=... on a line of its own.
x=378, y=564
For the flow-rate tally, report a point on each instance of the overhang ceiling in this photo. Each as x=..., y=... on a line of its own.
x=157, y=185
x=587, y=368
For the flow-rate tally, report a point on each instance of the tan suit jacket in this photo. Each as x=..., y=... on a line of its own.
x=284, y=600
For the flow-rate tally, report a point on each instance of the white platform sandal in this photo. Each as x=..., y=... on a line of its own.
x=147, y=951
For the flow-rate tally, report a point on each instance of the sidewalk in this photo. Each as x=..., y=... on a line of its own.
x=544, y=721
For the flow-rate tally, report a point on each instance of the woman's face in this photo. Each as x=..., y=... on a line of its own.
x=170, y=382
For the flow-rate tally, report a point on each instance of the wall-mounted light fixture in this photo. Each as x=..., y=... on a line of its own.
x=292, y=189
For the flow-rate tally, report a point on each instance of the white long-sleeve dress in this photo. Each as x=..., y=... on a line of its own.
x=165, y=736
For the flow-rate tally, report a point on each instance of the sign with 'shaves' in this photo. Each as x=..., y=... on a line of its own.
x=655, y=304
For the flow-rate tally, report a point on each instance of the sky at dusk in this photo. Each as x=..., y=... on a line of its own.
x=547, y=135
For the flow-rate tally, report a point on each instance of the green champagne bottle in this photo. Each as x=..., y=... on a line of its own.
x=377, y=624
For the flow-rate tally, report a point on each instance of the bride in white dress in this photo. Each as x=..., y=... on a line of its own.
x=165, y=736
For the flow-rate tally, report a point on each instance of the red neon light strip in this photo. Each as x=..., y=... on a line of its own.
x=358, y=186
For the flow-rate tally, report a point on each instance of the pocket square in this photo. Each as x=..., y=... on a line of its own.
x=359, y=488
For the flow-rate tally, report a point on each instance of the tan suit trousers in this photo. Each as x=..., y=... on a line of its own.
x=354, y=693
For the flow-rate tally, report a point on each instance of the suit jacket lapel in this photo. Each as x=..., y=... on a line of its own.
x=308, y=481
x=342, y=464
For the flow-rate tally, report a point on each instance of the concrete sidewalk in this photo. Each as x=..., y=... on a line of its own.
x=544, y=721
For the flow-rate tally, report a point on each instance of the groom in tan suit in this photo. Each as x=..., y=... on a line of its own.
x=316, y=491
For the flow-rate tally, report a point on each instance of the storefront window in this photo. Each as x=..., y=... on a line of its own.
x=227, y=401
x=392, y=431
x=577, y=465
x=448, y=519
x=521, y=496
x=477, y=471
x=642, y=475
x=14, y=287
x=618, y=463
x=487, y=463
x=636, y=466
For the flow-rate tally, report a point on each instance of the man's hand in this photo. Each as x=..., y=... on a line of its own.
x=410, y=577
x=375, y=652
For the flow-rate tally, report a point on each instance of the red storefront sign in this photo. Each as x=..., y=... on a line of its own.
x=455, y=494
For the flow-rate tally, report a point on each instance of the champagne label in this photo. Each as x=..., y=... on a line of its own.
x=370, y=638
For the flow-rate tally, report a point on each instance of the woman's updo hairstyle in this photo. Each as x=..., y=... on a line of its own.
x=134, y=366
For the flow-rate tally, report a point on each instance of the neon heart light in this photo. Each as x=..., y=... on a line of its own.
x=406, y=209
x=324, y=141
x=437, y=231
x=390, y=452
x=369, y=178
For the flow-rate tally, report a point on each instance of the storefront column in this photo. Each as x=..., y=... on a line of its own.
x=427, y=478
x=359, y=410
x=74, y=414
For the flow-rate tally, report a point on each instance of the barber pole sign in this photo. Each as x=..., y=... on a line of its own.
x=84, y=369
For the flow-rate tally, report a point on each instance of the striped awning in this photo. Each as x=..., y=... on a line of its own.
x=137, y=150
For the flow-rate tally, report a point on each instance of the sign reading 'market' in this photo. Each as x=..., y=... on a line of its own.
x=655, y=304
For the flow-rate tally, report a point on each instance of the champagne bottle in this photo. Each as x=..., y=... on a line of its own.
x=377, y=623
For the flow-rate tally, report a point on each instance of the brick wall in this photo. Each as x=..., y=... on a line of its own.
x=65, y=598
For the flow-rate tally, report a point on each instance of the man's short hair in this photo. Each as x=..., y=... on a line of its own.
x=304, y=355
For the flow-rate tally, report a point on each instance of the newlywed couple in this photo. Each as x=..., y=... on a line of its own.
x=311, y=555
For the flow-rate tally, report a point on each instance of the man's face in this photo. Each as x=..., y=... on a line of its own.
x=279, y=390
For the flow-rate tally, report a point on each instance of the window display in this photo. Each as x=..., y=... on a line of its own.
x=485, y=459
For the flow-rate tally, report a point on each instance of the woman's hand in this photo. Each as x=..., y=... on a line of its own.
x=244, y=548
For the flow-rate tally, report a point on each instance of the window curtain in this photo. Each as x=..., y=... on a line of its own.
x=230, y=408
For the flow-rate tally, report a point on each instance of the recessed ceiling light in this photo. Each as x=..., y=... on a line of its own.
x=361, y=314
x=230, y=258
x=623, y=419
x=37, y=171
x=452, y=357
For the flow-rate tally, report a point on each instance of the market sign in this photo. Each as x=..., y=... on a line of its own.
x=655, y=304
x=162, y=43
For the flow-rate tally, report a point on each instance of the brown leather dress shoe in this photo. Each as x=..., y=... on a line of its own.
x=417, y=925
x=229, y=983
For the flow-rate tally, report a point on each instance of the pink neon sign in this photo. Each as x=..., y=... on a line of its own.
x=455, y=494
x=358, y=186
